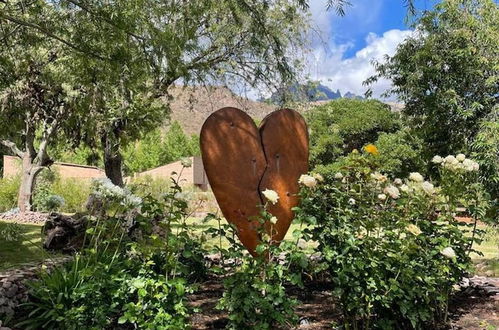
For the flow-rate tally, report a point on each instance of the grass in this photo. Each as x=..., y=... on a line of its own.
x=25, y=250
x=28, y=249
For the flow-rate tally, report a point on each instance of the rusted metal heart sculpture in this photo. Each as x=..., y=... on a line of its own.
x=241, y=161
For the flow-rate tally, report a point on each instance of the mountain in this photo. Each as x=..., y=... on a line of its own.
x=191, y=105
x=309, y=92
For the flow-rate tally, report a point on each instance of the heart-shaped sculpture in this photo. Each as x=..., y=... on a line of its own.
x=241, y=161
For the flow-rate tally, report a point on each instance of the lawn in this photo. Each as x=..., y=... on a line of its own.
x=28, y=249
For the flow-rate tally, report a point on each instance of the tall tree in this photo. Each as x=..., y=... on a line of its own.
x=447, y=73
x=127, y=53
x=37, y=99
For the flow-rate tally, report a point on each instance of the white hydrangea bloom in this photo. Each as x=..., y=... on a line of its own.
x=476, y=166
x=273, y=220
x=468, y=164
x=404, y=188
x=271, y=195
x=416, y=177
x=398, y=181
x=338, y=175
x=450, y=159
x=437, y=159
x=381, y=197
x=392, y=191
x=461, y=157
x=428, y=188
x=448, y=252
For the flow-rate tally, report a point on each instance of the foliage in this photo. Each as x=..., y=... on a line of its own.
x=400, y=153
x=393, y=248
x=73, y=191
x=447, y=72
x=124, y=57
x=139, y=263
x=153, y=150
x=9, y=190
x=485, y=149
x=255, y=296
x=343, y=125
x=11, y=232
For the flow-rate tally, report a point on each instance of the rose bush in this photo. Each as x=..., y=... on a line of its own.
x=392, y=246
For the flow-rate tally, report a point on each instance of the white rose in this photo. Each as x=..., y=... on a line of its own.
x=318, y=177
x=416, y=177
x=461, y=157
x=428, y=188
x=378, y=177
x=381, y=197
x=392, y=191
x=404, y=188
x=448, y=252
x=271, y=195
x=413, y=229
x=351, y=201
x=307, y=180
x=437, y=159
x=338, y=175
x=451, y=159
x=398, y=181
x=273, y=220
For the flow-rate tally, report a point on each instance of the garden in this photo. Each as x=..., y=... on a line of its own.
x=341, y=214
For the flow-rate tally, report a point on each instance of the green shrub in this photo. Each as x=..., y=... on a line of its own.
x=133, y=273
x=74, y=191
x=255, y=296
x=342, y=125
x=400, y=153
x=9, y=191
x=393, y=249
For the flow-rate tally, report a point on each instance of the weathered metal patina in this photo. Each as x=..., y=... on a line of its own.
x=242, y=160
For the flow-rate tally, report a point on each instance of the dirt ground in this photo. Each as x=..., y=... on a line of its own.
x=470, y=309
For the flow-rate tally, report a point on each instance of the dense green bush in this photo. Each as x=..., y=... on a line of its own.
x=485, y=149
x=9, y=191
x=139, y=262
x=343, y=125
x=400, y=153
x=392, y=247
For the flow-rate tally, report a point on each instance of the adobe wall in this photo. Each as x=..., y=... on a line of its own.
x=12, y=167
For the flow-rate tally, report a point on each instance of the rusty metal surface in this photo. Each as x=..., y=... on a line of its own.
x=234, y=163
x=284, y=137
x=241, y=160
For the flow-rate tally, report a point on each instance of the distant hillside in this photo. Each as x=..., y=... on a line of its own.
x=191, y=105
x=310, y=92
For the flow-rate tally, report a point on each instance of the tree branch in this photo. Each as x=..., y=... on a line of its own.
x=51, y=35
x=12, y=146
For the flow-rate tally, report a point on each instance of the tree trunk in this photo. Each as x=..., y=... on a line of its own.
x=112, y=160
x=28, y=176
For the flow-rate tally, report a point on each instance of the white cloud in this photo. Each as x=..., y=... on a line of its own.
x=347, y=74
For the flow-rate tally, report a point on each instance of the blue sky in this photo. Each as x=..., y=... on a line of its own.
x=342, y=53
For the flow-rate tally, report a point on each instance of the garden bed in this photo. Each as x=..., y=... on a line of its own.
x=476, y=306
